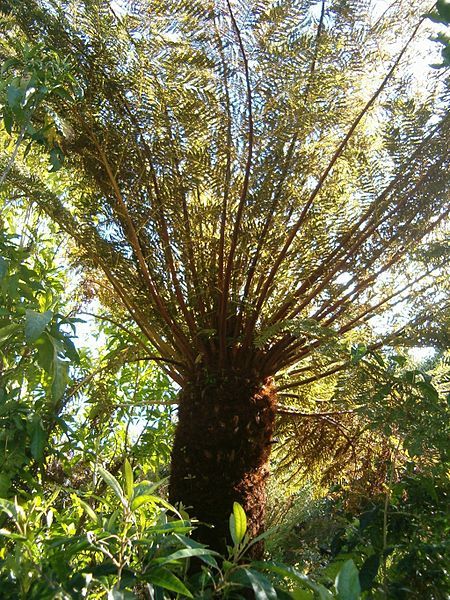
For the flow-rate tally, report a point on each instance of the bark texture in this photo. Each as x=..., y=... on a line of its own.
x=221, y=452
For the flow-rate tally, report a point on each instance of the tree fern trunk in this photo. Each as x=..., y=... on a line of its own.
x=221, y=452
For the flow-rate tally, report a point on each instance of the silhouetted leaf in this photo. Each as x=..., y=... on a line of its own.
x=35, y=324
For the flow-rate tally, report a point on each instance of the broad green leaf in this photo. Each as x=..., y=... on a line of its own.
x=369, y=571
x=443, y=8
x=164, y=578
x=35, y=324
x=45, y=353
x=347, y=582
x=128, y=479
x=428, y=390
x=112, y=482
x=302, y=594
x=8, y=120
x=38, y=438
x=262, y=588
x=49, y=350
x=147, y=487
x=12, y=509
x=10, y=62
x=5, y=484
x=56, y=159
x=63, y=93
x=14, y=96
x=59, y=378
x=4, y=264
x=400, y=360
x=238, y=523
x=143, y=499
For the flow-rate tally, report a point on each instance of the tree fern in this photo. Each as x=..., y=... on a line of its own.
x=241, y=169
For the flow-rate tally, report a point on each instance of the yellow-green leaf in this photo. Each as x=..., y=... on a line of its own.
x=238, y=523
x=128, y=479
x=88, y=510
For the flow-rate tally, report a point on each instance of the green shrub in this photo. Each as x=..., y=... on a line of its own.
x=130, y=543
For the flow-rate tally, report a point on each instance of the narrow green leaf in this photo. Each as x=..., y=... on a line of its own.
x=111, y=525
x=190, y=543
x=70, y=349
x=178, y=527
x=9, y=62
x=262, y=536
x=7, y=332
x=164, y=578
x=89, y=511
x=147, y=487
x=183, y=554
x=12, y=536
x=112, y=482
x=116, y=594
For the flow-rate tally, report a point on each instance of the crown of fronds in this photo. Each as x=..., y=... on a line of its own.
x=254, y=179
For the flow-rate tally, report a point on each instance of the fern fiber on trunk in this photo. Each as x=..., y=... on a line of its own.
x=221, y=452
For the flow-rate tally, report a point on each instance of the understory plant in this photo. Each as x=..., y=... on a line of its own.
x=129, y=543
x=390, y=516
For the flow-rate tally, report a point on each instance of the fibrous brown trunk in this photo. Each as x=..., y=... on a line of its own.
x=221, y=452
